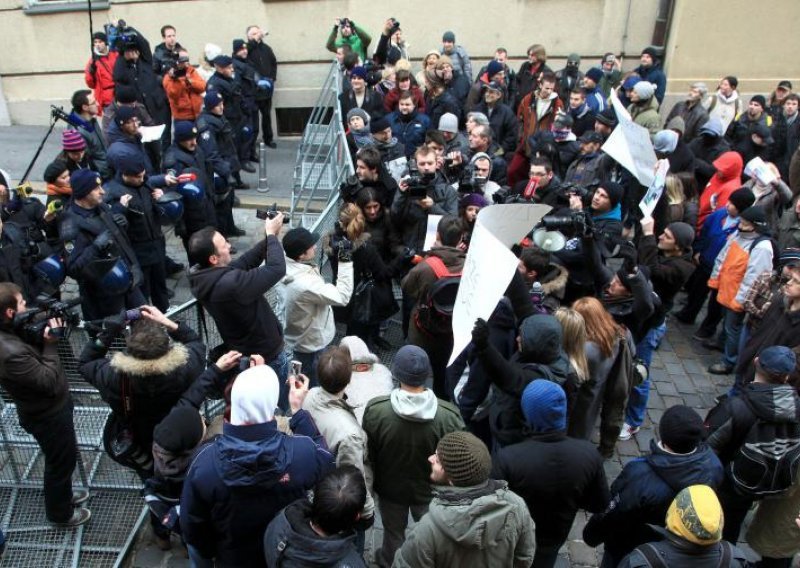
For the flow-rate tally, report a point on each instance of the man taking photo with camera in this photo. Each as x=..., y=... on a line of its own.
x=33, y=376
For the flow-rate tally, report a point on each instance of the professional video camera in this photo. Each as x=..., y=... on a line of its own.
x=577, y=223
x=470, y=183
x=270, y=213
x=418, y=183
x=575, y=189
x=29, y=325
x=395, y=26
x=126, y=35
x=349, y=188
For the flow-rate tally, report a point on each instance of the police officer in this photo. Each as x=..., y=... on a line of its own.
x=25, y=224
x=246, y=75
x=33, y=376
x=98, y=253
x=228, y=85
x=130, y=195
x=187, y=156
x=217, y=141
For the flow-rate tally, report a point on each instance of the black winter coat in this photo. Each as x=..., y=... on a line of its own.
x=231, y=91
x=556, y=476
x=642, y=494
x=149, y=90
x=234, y=296
x=263, y=60
x=144, y=228
x=372, y=104
x=216, y=138
x=157, y=384
x=504, y=124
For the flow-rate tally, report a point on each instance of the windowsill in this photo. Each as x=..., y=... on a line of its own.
x=56, y=7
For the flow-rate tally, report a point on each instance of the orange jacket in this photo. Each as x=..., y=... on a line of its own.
x=185, y=94
x=737, y=267
x=102, y=80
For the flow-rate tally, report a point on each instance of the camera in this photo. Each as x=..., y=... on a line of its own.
x=395, y=27
x=470, y=183
x=349, y=188
x=578, y=223
x=270, y=213
x=578, y=190
x=244, y=363
x=30, y=324
x=418, y=183
x=295, y=367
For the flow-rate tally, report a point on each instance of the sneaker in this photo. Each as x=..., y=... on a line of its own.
x=79, y=516
x=627, y=431
x=720, y=369
x=80, y=496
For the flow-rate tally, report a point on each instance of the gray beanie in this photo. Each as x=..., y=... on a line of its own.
x=358, y=112
x=683, y=233
x=645, y=90
x=411, y=366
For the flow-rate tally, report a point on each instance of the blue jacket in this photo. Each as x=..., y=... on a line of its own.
x=713, y=236
x=642, y=494
x=239, y=482
x=654, y=74
x=409, y=131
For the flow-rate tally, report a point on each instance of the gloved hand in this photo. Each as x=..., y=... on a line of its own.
x=112, y=327
x=120, y=221
x=480, y=335
x=55, y=207
x=345, y=250
x=103, y=240
x=629, y=258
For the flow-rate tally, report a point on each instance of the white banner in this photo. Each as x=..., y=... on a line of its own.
x=630, y=145
x=490, y=265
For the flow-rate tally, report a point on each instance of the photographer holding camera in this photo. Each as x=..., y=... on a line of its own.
x=351, y=35
x=35, y=379
x=421, y=194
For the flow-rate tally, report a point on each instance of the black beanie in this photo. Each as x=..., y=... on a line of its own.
x=681, y=429
x=180, y=431
x=125, y=94
x=742, y=198
x=758, y=217
x=53, y=170
x=615, y=192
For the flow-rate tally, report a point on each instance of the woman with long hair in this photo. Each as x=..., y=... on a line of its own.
x=373, y=298
x=603, y=393
x=573, y=340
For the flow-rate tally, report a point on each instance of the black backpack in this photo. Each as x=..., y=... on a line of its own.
x=776, y=250
x=767, y=463
x=435, y=311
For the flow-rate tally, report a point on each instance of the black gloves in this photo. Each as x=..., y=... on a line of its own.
x=629, y=257
x=112, y=327
x=480, y=335
x=103, y=240
x=344, y=247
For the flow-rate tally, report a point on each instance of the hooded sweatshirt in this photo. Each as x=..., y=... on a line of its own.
x=403, y=430
x=728, y=179
x=238, y=483
x=291, y=542
x=726, y=109
x=482, y=525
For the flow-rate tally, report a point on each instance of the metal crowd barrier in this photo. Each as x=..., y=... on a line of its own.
x=323, y=159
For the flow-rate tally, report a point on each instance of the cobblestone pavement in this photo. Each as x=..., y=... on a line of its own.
x=678, y=373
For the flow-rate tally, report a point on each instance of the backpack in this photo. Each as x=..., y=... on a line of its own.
x=654, y=558
x=776, y=251
x=767, y=462
x=435, y=311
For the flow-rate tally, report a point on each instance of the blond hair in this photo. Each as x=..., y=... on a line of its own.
x=352, y=220
x=674, y=187
x=574, y=341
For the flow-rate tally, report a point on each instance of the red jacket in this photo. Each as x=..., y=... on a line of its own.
x=102, y=80
x=392, y=98
x=728, y=179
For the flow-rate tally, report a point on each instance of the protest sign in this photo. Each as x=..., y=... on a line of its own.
x=490, y=265
x=430, y=232
x=630, y=145
x=756, y=168
x=656, y=189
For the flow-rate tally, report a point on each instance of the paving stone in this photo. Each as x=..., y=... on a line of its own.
x=656, y=414
x=657, y=374
x=684, y=384
x=654, y=400
x=667, y=389
x=581, y=554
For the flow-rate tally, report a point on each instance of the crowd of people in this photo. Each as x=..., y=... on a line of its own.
x=492, y=456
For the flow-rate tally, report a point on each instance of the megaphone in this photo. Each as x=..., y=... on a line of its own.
x=549, y=241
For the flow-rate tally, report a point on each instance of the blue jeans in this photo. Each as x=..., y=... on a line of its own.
x=732, y=329
x=280, y=364
x=637, y=403
x=738, y=380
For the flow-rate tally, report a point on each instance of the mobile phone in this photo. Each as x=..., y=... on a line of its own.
x=296, y=367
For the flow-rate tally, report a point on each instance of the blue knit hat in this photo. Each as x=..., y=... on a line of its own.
x=83, y=182
x=544, y=405
x=212, y=99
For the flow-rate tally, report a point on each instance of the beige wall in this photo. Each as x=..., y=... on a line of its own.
x=55, y=46
x=757, y=42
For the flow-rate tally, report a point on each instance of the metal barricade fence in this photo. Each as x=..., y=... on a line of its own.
x=323, y=159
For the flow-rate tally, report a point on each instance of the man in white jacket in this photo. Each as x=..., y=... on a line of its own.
x=308, y=299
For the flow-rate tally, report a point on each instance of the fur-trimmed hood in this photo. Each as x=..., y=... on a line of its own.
x=173, y=360
x=556, y=283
